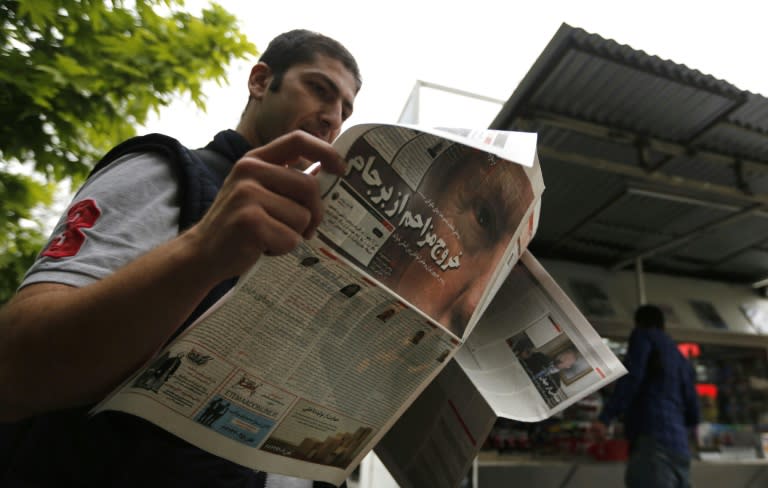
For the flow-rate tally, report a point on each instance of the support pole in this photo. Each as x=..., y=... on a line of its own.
x=640, y=279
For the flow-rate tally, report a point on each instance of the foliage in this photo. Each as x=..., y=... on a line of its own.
x=76, y=77
x=20, y=240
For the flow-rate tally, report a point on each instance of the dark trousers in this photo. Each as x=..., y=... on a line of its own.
x=653, y=466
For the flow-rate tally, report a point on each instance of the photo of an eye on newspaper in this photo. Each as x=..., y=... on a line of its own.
x=433, y=221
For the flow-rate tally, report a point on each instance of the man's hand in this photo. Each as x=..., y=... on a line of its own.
x=265, y=205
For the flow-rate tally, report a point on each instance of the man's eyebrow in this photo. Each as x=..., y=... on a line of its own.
x=498, y=194
x=510, y=194
x=335, y=89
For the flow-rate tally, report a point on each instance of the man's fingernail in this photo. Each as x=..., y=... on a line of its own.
x=313, y=168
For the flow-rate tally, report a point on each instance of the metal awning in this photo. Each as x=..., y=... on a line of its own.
x=645, y=159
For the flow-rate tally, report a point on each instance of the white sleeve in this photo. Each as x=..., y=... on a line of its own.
x=131, y=206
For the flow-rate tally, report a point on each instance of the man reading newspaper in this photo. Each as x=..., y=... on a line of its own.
x=316, y=352
x=139, y=253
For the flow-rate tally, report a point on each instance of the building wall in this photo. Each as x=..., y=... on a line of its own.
x=675, y=294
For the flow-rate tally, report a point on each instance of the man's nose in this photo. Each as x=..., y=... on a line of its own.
x=476, y=287
x=332, y=116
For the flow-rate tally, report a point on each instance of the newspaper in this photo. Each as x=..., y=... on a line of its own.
x=306, y=363
x=531, y=355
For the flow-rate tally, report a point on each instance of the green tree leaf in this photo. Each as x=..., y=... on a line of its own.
x=76, y=77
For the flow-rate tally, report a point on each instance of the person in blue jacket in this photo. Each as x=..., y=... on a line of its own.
x=658, y=401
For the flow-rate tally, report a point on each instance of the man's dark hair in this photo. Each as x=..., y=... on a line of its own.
x=649, y=317
x=302, y=46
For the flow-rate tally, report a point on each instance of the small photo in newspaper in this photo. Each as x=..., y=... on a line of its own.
x=552, y=361
x=312, y=432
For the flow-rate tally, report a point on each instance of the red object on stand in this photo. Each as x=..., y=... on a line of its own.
x=610, y=450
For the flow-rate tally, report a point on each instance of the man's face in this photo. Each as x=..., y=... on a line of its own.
x=480, y=209
x=315, y=97
x=565, y=359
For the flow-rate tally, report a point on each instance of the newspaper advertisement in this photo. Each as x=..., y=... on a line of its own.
x=531, y=355
x=304, y=365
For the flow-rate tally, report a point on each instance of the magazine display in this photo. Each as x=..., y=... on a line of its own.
x=531, y=355
x=309, y=360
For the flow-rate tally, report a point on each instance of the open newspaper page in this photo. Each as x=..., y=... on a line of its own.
x=309, y=359
x=440, y=217
x=531, y=355
x=534, y=353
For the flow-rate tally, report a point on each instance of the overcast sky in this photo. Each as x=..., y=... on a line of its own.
x=479, y=46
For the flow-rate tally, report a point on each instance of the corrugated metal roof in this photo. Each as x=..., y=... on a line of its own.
x=645, y=158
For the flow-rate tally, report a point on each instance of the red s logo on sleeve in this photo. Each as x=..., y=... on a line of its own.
x=81, y=215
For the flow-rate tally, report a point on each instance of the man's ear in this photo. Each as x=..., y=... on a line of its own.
x=259, y=79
